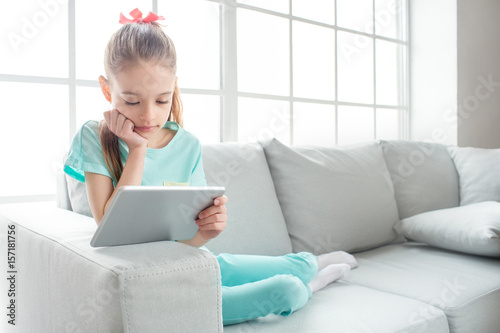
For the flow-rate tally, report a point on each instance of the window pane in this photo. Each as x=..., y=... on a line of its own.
x=202, y=116
x=356, y=15
x=388, y=65
x=193, y=26
x=355, y=124
x=388, y=18
x=281, y=6
x=313, y=61
x=316, y=10
x=34, y=38
x=263, y=53
x=94, y=29
x=387, y=124
x=44, y=137
x=313, y=124
x=355, y=68
x=90, y=105
x=262, y=119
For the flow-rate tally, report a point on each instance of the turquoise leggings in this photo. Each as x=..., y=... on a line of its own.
x=254, y=286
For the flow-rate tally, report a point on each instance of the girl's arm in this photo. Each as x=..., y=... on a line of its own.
x=100, y=189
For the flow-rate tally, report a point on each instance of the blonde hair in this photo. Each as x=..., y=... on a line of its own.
x=130, y=45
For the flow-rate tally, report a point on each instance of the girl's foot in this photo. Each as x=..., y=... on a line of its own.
x=327, y=275
x=336, y=257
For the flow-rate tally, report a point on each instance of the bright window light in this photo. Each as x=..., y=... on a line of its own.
x=307, y=72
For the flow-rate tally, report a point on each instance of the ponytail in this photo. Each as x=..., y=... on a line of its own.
x=177, y=111
x=110, y=150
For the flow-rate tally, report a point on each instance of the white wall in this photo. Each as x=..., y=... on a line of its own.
x=433, y=70
x=479, y=73
x=455, y=72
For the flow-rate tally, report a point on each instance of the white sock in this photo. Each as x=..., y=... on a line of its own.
x=327, y=275
x=336, y=257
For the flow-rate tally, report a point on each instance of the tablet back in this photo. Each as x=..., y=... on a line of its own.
x=140, y=214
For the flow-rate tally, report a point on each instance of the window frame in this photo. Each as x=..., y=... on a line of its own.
x=228, y=88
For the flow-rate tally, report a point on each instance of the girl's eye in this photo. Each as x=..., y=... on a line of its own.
x=129, y=103
x=163, y=102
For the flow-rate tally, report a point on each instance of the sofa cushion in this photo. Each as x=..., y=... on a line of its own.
x=479, y=173
x=345, y=308
x=474, y=228
x=345, y=193
x=423, y=174
x=465, y=287
x=255, y=223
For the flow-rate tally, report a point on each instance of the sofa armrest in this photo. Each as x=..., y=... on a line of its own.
x=65, y=285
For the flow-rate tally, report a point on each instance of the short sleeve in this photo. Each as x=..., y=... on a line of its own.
x=198, y=174
x=85, y=153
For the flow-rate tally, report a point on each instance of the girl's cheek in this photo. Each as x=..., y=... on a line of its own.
x=123, y=108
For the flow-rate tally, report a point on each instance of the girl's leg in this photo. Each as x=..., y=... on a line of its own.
x=239, y=269
x=280, y=294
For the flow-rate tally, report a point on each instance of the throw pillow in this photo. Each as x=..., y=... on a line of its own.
x=479, y=173
x=333, y=198
x=473, y=229
x=423, y=174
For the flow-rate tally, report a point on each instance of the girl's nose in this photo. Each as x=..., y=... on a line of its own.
x=148, y=113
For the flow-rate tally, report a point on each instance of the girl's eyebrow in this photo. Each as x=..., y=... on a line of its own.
x=135, y=94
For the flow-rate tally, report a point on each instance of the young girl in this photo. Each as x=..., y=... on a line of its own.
x=141, y=142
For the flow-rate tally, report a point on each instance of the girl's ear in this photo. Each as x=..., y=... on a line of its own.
x=105, y=88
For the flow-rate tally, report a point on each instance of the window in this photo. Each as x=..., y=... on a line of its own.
x=333, y=71
x=319, y=72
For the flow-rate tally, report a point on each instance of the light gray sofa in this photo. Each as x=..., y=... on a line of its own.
x=281, y=199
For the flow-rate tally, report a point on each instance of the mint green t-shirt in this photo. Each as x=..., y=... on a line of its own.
x=179, y=163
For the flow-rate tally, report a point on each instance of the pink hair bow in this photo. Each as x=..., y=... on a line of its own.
x=137, y=17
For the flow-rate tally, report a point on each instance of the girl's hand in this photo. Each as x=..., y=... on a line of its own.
x=123, y=128
x=212, y=221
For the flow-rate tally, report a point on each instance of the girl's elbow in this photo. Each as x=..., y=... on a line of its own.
x=98, y=218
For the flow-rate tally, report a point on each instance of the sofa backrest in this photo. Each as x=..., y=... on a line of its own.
x=423, y=174
x=343, y=198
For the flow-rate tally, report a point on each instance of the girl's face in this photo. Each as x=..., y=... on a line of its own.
x=143, y=94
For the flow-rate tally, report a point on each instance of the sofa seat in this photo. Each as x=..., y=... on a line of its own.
x=348, y=308
x=465, y=287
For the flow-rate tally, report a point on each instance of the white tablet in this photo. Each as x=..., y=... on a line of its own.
x=141, y=214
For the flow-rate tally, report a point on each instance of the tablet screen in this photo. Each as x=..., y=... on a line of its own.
x=140, y=214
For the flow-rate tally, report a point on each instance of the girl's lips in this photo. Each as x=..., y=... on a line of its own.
x=145, y=128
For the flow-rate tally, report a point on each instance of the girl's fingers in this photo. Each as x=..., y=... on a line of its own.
x=113, y=120
x=106, y=117
x=216, y=218
x=220, y=201
x=117, y=122
x=128, y=125
x=212, y=210
x=219, y=226
x=120, y=120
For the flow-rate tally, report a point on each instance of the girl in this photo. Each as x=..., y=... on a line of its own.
x=141, y=142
